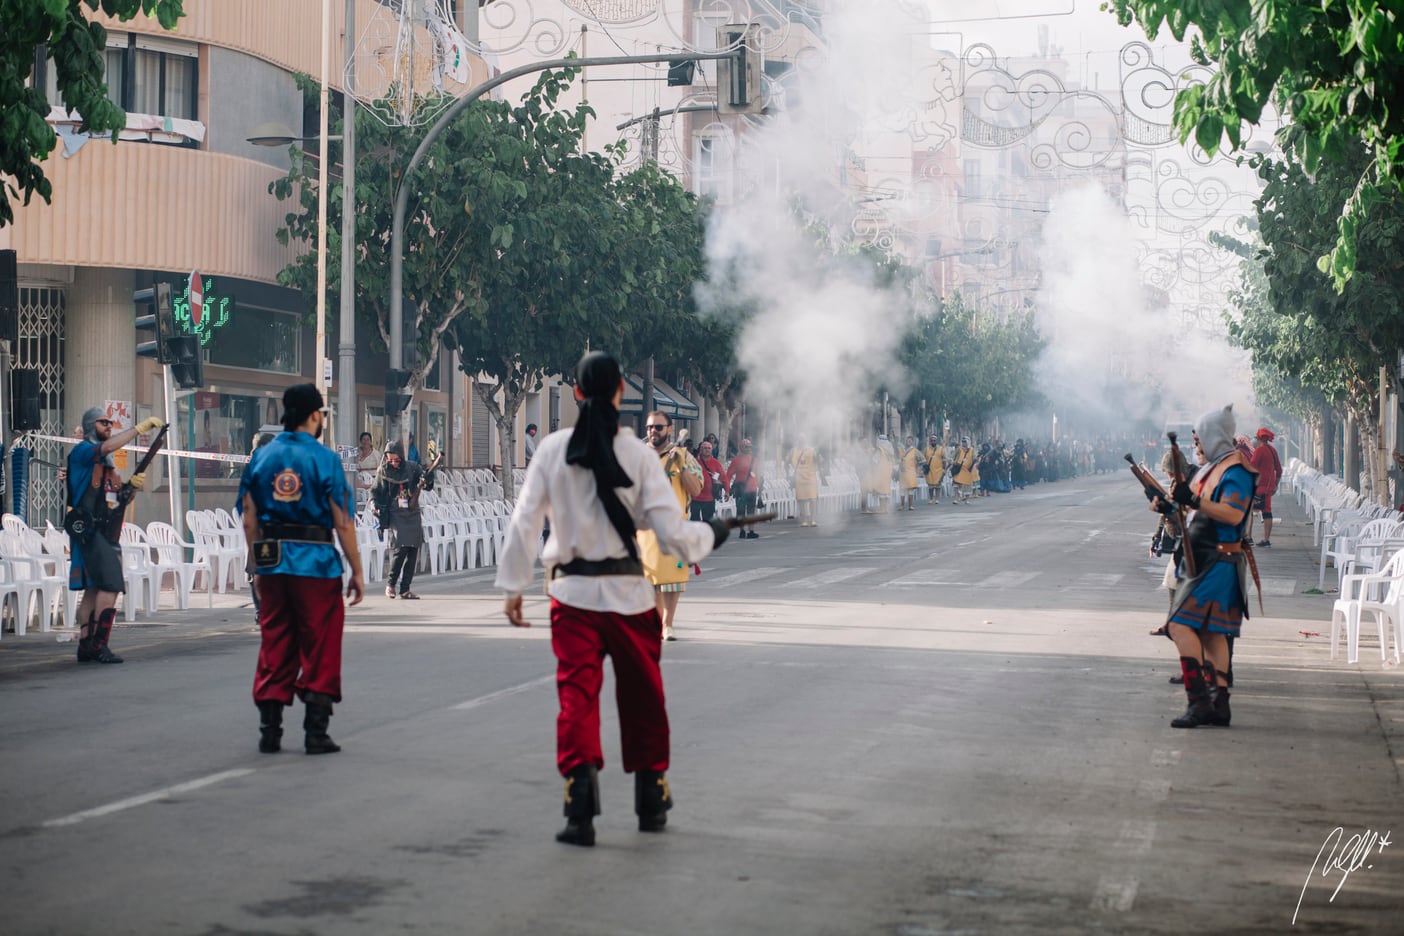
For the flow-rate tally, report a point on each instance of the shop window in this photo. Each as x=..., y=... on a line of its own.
x=225, y=424
x=260, y=339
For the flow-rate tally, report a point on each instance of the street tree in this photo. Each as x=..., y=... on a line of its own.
x=75, y=48
x=1293, y=318
x=480, y=212
x=968, y=361
x=584, y=257
x=1334, y=70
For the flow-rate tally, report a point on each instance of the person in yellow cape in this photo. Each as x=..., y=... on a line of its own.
x=806, y=464
x=668, y=574
x=909, y=475
x=966, y=474
x=935, y=469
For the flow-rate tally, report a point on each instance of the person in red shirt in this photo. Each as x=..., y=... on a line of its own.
x=704, y=505
x=743, y=480
x=1269, y=468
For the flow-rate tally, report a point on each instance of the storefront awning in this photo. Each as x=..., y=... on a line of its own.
x=665, y=398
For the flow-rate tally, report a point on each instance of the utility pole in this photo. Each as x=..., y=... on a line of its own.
x=347, y=422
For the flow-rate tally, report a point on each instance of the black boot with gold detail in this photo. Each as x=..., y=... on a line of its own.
x=652, y=800
x=582, y=805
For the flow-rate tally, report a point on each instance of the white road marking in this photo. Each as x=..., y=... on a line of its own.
x=1136, y=836
x=1008, y=579
x=1160, y=758
x=1115, y=893
x=504, y=693
x=926, y=579
x=1098, y=580
x=831, y=577
x=134, y=801
x=738, y=578
x=1157, y=791
x=1278, y=587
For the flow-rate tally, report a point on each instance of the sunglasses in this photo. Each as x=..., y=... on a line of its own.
x=103, y=422
x=652, y=428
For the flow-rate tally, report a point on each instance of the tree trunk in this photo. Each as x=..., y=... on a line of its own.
x=504, y=415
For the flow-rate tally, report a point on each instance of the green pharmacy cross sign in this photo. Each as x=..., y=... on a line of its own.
x=218, y=311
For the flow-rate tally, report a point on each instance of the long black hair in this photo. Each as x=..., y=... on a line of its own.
x=592, y=442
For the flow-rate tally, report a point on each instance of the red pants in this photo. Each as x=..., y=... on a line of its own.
x=581, y=639
x=301, y=619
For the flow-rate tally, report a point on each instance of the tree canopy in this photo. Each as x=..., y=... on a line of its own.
x=1335, y=72
x=75, y=49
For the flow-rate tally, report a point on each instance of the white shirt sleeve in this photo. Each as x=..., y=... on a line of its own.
x=518, y=560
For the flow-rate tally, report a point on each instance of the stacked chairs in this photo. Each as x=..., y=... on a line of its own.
x=141, y=574
x=223, y=549
x=171, y=550
x=27, y=575
x=1380, y=594
x=372, y=547
x=56, y=545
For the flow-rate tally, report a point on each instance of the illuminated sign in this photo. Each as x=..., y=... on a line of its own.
x=218, y=310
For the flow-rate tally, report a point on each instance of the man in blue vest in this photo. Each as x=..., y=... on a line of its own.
x=94, y=491
x=292, y=495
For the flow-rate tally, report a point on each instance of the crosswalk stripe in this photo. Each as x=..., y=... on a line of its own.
x=739, y=578
x=928, y=578
x=831, y=577
x=1098, y=580
x=1008, y=579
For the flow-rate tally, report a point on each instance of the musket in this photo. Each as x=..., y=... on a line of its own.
x=736, y=523
x=1178, y=472
x=126, y=493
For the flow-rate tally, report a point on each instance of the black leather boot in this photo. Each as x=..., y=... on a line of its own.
x=582, y=805
x=87, y=653
x=1200, y=710
x=314, y=725
x=1219, y=701
x=652, y=800
x=270, y=727
x=102, y=632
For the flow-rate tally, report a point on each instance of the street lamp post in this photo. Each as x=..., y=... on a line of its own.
x=402, y=194
x=346, y=422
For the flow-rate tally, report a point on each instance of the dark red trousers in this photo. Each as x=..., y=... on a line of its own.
x=301, y=619
x=581, y=639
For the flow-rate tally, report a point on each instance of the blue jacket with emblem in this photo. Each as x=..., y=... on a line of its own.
x=296, y=479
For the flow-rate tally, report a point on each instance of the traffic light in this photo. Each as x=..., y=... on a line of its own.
x=396, y=399
x=159, y=316
x=187, y=362
x=739, y=77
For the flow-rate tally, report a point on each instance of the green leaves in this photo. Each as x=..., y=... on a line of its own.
x=1336, y=68
x=75, y=49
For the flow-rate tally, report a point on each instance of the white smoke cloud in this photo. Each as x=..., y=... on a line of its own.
x=823, y=335
x=1103, y=332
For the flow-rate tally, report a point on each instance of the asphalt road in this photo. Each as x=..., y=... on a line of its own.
x=949, y=721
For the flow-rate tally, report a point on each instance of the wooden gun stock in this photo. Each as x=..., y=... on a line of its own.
x=1147, y=479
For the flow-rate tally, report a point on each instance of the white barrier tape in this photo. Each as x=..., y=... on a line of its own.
x=171, y=453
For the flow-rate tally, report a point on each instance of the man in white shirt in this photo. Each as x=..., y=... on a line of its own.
x=367, y=464
x=598, y=484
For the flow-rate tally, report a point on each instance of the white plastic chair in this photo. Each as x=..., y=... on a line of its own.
x=1355, y=598
x=167, y=542
x=31, y=575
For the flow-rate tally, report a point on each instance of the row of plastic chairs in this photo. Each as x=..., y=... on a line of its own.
x=1377, y=594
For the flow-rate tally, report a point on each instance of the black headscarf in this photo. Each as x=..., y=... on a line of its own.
x=592, y=441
